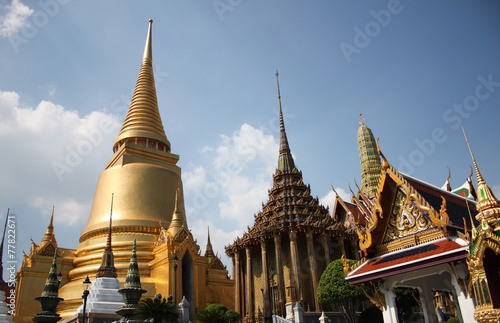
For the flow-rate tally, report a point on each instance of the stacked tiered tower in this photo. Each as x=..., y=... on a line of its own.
x=293, y=234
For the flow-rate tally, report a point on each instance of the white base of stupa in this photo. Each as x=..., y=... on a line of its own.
x=104, y=297
x=4, y=309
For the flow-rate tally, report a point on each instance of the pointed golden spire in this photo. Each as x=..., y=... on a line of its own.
x=148, y=50
x=143, y=121
x=209, y=251
x=177, y=217
x=485, y=198
x=107, y=268
x=285, y=159
x=49, y=233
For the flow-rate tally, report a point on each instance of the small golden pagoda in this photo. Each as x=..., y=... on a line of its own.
x=295, y=235
x=484, y=254
x=148, y=207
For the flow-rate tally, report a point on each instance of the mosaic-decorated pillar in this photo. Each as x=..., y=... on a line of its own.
x=313, y=266
x=249, y=301
x=279, y=269
x=265, y=271
x=295, y=264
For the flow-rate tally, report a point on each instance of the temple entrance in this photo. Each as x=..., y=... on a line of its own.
x=491, y=262
x=438, y=293
x=188, y=282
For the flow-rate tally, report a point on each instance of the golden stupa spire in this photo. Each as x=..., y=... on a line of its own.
x=107, y=268
x=285, y=159
x=485, y=198
x=177, y=217
x=143, y=123
x=49, y=233
x=209, y=251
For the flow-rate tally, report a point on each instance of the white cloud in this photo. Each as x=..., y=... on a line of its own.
x=233, y=185
x=67, y=210
x=52, y=156
x=13, y=18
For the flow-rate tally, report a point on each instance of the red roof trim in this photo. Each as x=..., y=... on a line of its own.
x=446, y=250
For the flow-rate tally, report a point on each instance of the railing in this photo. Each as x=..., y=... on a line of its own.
x=279, y=319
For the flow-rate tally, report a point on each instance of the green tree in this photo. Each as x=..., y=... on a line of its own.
x=218, y=313
x=156, y=310
x=335, y=290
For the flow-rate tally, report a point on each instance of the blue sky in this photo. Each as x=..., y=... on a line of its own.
x=416, y=70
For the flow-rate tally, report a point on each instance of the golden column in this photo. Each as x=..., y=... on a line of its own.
x=295, y=264
x=237, y=282
x=249, y=306
x=279, y=267
x=266, y=277
x=314, y=267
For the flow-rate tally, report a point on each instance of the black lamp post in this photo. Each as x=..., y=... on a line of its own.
x=176, y=261
x=271, y=271
x=86, y=283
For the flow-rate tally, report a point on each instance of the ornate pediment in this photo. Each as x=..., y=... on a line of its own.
x=47, y=250
x=406, y=218
x=216, y=264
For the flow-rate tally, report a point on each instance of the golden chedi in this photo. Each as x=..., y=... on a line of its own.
x=145, y=184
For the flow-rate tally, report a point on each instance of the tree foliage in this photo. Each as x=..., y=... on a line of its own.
x=218, y=313
x=156, y=310
x=335, y=290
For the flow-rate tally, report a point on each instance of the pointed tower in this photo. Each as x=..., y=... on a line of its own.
x=145, y=180
x=178, y=220
x=484, y=256
x=107, y=268
x=285, y=159
x=291, y=234
x=132, y=290
x=209, y=251
x=50, y=296
x=369, y=160
x=49, y=233
x=104, y=299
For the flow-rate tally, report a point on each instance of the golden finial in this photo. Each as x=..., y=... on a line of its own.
x=385, y=163
x=485, y=197
x=148, y=50
x=480, y=179
x=361, y=120
x=278, y=82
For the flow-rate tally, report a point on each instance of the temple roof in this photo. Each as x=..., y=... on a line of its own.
x=417, y=257
x=458, y=207
x=290, y=205
x=143, y=117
